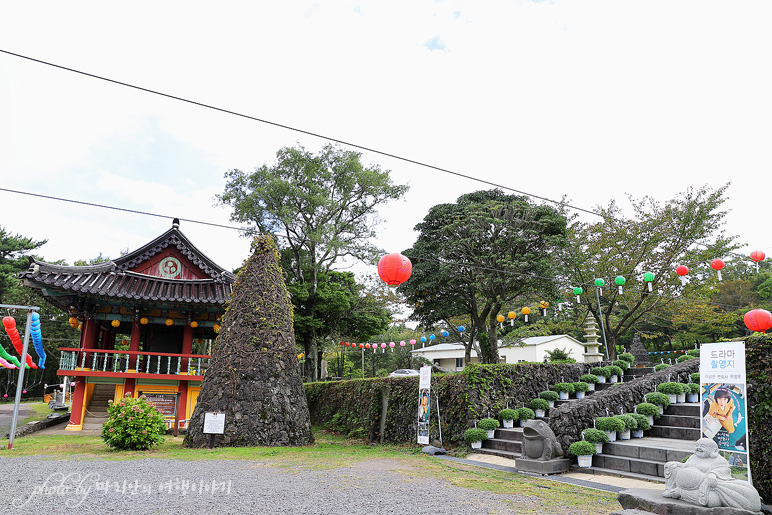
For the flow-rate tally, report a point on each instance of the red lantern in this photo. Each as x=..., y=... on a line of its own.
x=682, y=270
x=758, y=256
x=394, y=269
x=758, y=320
x=367, y=345
x=361, y=345
x=717, y=265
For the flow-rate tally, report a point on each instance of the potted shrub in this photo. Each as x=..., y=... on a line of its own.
x=661, y=366
x=490, y=425
x=579, y=388
x=610, y=426
x=602, y=373
x=627, y=356
x=660, y=399
x=590, y=379
x=692, y=391
x=641, y=424
x=475, y=436
x=694, y=352
x=524, y=414
x=630, y=424
x=539, y=407
x=595, y=436
x=507, y=417
x=583, y=451
x=672, y=390
x=651, y=411
x=624, y=365
x=550, y=397
x=616, y=373
x=695, y=378
x=564, y=389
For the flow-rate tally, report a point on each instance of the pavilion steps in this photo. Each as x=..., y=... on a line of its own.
x=96, y=412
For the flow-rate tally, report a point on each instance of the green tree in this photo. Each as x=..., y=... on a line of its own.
x=659, y=237
x=476, y=255
x=320, y=207
x=13, y=259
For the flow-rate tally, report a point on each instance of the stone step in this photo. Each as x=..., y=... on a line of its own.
x=677, y=433
x=512, y=434
x=686, y=409
x=619, y=473
x=625, y=464
x=678, y=421
x=500, y=453
x=504, y=445
x=650, y=448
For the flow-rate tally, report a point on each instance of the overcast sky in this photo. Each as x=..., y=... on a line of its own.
x=588, y=99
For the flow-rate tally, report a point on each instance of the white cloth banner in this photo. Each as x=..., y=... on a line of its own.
x=424, y=403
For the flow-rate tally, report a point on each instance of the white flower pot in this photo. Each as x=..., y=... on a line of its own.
x=476, y=445
x=681, y=398
x=692, y=397
x=601, y=379
x=508, y=423
x=563, y=395
x=522, y=423
x=651, y=420
x=661, y=409
x=539, y=413
x=612, y=379
x=580, y=395
x=612, y=436
x=673, y=398
x=624, y=435
x=638, y=433
x=599, y=447
x=590, y=387
x=552, y=404
x=585, y=461
x=491, y=433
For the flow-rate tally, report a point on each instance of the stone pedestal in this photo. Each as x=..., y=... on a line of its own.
x=652, y=501
x=557, y=466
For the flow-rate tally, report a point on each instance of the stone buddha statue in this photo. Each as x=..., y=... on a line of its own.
x=706, y=479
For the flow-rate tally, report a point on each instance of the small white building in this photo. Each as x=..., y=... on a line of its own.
x=450, y=356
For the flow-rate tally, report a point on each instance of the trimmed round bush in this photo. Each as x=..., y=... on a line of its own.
x=661, y=366
x=616, y=371
x=691, y=388
x=628, y=421
x=541, y=404
x=475, y=434
x=624, y=365
x=508, y=414
x=627, y=356
x=641, y=421
x=648, y=409
x=133, y=424
x=684, y=357
x=589, y=378
x=694, y=352
x=582, y=448
x=671, y=388
x=580, y=386
x=601, y=371
x=563, y=387
x=658, y=398
x=525, y=414
x=609, y=424
x=489, y=424
x=549, y=395
x=695, y=378
x=593, y=435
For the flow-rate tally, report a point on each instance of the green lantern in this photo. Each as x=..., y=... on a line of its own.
x=578, y=291
x=620, y=281
x=600, y=283
x=648, y=277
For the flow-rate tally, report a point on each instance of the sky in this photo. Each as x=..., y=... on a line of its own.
x=591, y=100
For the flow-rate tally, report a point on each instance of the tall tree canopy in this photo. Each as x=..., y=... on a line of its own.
x=321, y=208
x=13, y=259
x=474, y=256
x=684, y=230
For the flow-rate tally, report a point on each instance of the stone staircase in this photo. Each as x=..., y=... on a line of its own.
x=671, y=438
x=96, y=412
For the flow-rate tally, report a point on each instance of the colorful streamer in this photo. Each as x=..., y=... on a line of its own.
x=13, y=333
x=37, y=339
x=6, y=364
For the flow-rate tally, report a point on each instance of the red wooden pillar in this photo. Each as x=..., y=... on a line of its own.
x=187, y=346
x=136, y=331
x=88, y=340
x=182, y=405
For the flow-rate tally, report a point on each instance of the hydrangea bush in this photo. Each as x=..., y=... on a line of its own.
x=133, y=424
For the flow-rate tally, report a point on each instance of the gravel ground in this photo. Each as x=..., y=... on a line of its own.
x=34, y=485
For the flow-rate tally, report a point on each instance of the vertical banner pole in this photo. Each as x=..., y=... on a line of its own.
x=20, y=383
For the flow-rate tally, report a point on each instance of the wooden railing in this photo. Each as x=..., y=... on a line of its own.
x=121, y=361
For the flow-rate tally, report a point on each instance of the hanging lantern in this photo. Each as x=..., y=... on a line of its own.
x=717, y=265
x=620, y=281
x=367, y=345
x=216, y=328
x=423, y=339
x=342, y=344
x=394, y=269
x=682, y=271
x=412, y=342
x=758, y=256
x=383, y=346
x=169, y=322
x=500, y=320
x=511, y=316
x=648, y=278
x=402, y=343
x=193, y=324
x=115, y=323
x=758, y=320
x=391, y=345
x=578, y=291
x=526, y=311
x=600, y=283
x=143, y=320
x=544, y=305
x=432, y=337
x=361, y=345
x=461, y=329
x=73, y=322
x=444, y=333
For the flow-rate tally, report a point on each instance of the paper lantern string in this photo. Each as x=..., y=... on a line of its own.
x=717, y=265
x=10, y=327
x=37, y=339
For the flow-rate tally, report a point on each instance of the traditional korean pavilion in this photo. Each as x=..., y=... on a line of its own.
x=141, y=315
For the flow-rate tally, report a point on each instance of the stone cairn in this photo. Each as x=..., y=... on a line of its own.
x=253, y=377
x=638, y=350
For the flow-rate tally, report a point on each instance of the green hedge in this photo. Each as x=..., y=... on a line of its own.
x=758, y=363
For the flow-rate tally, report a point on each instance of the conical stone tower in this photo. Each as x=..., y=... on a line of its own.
x=592, y=354
x=253, y=377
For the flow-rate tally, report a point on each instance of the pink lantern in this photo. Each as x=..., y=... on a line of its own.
x=758, y=256
x=24, y=391
x=392, y=344
x=758, y=320
x=402, y=343
x=682, y=270
x=412, y=342
x=717, y=265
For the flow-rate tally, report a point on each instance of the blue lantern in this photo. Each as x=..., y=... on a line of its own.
x=432, y=337
x=423, y=339
x=461, y=329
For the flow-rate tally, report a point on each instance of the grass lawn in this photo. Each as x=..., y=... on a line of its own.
x=334, y=451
